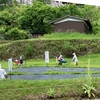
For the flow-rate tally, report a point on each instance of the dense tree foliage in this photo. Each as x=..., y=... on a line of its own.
x=5, y=3
x=61, y=11
x=9, y=21
x=93, y=14
x=35, y=19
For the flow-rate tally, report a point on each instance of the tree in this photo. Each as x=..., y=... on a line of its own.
x=9, y=27
x=35, y=18
x=91, y=13
x=70, y=9
x=5, y=3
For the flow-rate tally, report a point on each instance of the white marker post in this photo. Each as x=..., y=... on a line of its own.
x=10, y=66
x=46, y=57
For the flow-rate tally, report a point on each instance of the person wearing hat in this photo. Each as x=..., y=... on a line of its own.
x=61, y=60
x=74, y=59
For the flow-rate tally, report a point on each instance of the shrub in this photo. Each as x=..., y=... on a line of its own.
x=29, y=51
x=16, y=34
x=51, y=92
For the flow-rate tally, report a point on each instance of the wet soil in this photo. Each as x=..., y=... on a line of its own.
x=70, y=96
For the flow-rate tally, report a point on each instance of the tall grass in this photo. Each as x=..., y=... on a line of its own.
x=27, y=90
x=82, y=60
x=95, y=60
x=88, y=86
x=71, y=35
x=23, y=89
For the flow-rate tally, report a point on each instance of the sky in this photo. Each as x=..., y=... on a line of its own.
x=88, y=2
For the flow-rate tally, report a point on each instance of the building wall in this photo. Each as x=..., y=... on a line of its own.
x=70, y=26
x=87, y=2
x=25, y=1
x=55, y=3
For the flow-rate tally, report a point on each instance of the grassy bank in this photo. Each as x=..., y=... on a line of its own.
x=57, y=43
x=21, y=89
x=69, y=36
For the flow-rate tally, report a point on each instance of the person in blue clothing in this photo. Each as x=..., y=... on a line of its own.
x=61, y=60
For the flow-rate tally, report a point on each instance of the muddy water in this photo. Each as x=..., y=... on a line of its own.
x=37, y=73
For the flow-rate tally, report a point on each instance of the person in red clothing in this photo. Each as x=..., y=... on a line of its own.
x=17, y=62
x=61, y=60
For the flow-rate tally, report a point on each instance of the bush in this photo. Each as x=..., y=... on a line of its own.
x=16, y=34
x=29, y=51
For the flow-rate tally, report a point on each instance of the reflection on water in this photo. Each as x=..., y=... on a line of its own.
x=37, y=73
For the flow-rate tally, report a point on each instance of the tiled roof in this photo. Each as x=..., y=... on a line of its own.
x=72, y=18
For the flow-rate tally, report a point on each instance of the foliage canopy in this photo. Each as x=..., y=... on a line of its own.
x=35, y=18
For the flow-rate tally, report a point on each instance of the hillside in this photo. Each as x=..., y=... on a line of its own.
x=55, y=43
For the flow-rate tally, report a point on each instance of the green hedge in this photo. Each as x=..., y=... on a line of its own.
x=36, y=48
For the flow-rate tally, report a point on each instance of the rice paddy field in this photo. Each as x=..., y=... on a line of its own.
x=55, y=89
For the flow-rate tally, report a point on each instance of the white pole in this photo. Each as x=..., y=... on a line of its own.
x=46, y=57
x=10, y=66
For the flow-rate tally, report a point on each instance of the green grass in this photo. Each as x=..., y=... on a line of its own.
x=18, y=73
x=58, y=72
x=82, y=60
x=94, y=60
x=27, y=89
x=67, y=36
x=56, y=36
x=19, y=89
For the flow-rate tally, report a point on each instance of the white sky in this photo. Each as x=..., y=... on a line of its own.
x=88, y=2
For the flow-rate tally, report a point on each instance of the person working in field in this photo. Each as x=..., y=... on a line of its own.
x=21, y=60
x=74, y=59
x=16, y=62
x=61, y=60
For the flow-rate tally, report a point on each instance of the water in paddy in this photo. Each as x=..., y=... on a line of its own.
x=37, y=73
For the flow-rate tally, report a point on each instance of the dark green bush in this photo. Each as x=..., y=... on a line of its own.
x=36, y=48
x=16, y=34
x=29, y=51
